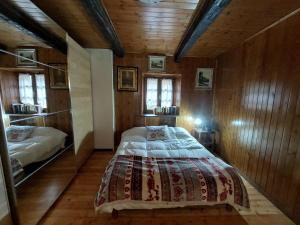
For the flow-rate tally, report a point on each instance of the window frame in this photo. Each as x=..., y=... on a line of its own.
x=34, y=87
x=160, y=78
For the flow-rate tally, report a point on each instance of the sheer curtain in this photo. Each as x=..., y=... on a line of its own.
x=41, y=90
x=166, y=92
x=151, y=95
x=25, y=89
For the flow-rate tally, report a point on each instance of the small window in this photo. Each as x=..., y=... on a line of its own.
x=26, y=89
x=159, y=93
x=41, y=90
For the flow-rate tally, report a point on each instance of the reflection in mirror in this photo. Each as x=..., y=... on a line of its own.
x=36, y=113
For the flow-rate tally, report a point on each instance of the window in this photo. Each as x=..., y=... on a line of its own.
x=33, y=92
x=41, y=90
x=159, y=93
x=25, y=89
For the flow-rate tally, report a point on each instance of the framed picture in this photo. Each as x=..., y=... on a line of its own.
x=204, y=78
x=157, y=63
x=127, y=78
x=58, y=76
x=23, y=55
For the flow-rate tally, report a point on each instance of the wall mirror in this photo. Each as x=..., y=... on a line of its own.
x=37, y=127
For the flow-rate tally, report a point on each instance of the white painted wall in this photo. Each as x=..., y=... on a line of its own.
x=4, y=208
x=103, y=97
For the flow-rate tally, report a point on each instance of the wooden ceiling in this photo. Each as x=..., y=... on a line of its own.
x=71, y=15
x=159, y=28
x=239, y=21
x=12, y=37
x=152, y=29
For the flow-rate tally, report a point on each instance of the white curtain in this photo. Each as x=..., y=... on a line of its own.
x=25, y=89
x=41, y=90
x=166, y=92
x=151, y=95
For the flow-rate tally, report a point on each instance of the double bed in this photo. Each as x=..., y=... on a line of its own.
x=168, y=171
x=30, y=144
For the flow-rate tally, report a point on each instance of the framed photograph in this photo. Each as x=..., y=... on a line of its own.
x=58, y=76
x=157, y=63
x=204, y=78
x=23, y=55
x=127, y=78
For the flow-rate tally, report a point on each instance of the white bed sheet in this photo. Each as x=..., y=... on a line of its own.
x=43, y=143
x=181, y=144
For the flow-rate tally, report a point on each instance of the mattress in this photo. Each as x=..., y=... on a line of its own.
x=43, y=143
x=176, y=172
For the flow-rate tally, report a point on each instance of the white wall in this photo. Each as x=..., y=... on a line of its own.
x=103, y=97
x=4, y=208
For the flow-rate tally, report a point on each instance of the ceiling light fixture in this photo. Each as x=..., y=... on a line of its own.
x=149, y=2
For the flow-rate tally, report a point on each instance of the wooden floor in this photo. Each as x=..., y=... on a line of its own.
x=75, y=207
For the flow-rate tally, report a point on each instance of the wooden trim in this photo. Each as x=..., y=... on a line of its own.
x=22, y=69
x=97, y=11
x=7, y=171
x=20, y=20
x=205, y=14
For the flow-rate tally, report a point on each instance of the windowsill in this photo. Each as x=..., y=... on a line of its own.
x=157, y=115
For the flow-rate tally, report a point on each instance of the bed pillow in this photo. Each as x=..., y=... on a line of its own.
x=18, y=133
x=157, y=133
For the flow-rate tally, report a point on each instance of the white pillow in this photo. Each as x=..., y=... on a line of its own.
x=136, y=131
x=157, y=133
x=18, y=133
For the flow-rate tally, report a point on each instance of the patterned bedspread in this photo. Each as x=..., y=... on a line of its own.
x=190, y=181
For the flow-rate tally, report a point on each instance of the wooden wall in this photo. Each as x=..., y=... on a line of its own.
x=9, y=86
x=257, y=108
x=194, y=103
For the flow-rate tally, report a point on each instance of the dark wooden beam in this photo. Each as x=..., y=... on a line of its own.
x=19, y=19
x=98, y=13
x=3, y=47
x=206, y=13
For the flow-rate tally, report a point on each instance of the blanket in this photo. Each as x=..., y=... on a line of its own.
x=204, y=181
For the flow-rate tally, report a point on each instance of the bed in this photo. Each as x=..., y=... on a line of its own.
x=30, y=144
x=169, y=172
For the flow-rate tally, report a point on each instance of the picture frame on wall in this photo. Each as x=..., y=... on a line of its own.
x=26, y=57
x=157, y=63
x=58, y=76
x=204, y=78
x=127, y=78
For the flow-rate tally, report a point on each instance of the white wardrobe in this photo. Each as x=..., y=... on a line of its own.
x=103, y=97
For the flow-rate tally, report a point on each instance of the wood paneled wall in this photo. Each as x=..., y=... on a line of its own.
x=257, y=108
x=9, y=87
x=196, y=103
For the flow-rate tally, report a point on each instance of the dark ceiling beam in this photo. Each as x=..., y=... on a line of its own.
x=19, y=19
x=97, y=11
x=206, y=13
x=3, y=47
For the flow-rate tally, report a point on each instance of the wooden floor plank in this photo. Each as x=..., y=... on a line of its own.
x=75, y=206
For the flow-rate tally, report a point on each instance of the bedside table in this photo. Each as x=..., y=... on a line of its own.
x=206, y=138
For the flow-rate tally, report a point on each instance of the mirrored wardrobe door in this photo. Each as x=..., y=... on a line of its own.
x=36, y=126
x=37, y=130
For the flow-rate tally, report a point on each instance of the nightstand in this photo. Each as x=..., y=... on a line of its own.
x=206, y=137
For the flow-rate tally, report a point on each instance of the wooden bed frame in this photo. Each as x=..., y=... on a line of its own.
x=227, y=207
